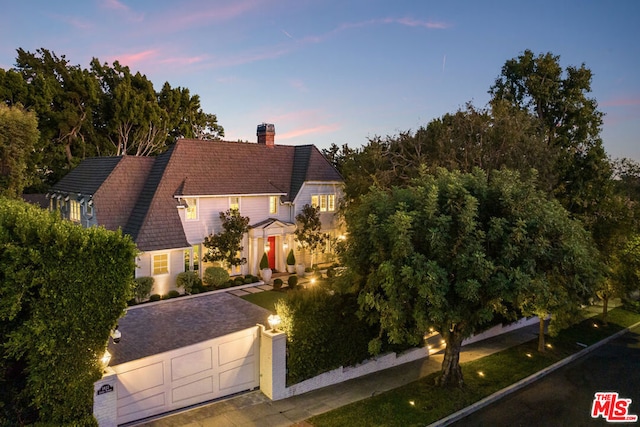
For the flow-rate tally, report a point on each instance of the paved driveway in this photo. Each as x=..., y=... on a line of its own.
x=167, y=325
x=565, y=397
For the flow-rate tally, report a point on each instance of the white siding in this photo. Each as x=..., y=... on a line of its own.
x=163, y=283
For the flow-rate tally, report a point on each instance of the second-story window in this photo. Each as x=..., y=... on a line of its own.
x=234, y=203
x=331, y=202
x=273, y=204
x=192, y=209
x=326, y=202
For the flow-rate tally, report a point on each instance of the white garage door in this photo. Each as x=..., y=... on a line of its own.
x=187, y=376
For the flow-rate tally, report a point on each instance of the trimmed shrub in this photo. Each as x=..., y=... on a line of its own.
x=215, y=276
x=293, y=282
x=264, y=262
x=189, y=281
x=228, y=284
x=155, y=297
x=291, y=259
x=173, y=293
x=277, y=283
x=323, y=332
x=248, y=280
x=238, y=281
x=142, y=288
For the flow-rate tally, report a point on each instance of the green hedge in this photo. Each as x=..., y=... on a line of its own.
x=215, y=276
x=323, y=332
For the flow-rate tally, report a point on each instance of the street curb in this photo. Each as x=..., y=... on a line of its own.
x=457, y=416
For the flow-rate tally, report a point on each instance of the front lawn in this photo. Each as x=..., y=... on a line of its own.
x=266, y=299
x=422, y=403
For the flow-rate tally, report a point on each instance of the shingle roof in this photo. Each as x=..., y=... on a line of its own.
x=193, y=168
x=88, y=176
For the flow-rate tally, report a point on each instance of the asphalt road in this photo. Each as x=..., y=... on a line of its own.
x=565, y=397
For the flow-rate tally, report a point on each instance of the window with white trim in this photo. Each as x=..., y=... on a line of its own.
x=192, y=209
x=234, y=203
x=273, y=204
x=160, y=264
x=74, y=210
x=326, y=202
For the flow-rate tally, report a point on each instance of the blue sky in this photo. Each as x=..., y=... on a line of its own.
x=340, y=71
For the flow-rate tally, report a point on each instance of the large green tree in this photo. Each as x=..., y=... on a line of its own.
x=18, y=138
x=309, y=234
x=226, y=244
x=451, y=250
x=62, y=290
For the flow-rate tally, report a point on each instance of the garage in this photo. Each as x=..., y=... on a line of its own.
x=177, y=353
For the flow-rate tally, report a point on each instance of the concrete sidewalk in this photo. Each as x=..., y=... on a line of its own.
x=255, y=409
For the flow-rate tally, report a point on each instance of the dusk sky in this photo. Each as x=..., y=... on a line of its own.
x=341, y=71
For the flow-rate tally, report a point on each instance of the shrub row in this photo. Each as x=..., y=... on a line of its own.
x=323, y=332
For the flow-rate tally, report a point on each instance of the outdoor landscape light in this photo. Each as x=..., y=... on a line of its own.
x=285, y=245
x=274, y=321
x=267, y=247
x=116, y=335
x=106, y=358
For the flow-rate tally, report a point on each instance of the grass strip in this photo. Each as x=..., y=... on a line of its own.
x=421, y=402
x=266, y=299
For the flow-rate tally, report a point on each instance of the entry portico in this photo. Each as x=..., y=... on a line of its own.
x=273, y=237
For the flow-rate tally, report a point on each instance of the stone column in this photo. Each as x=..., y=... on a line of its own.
x=253, y=259
x=273, y=364
x=105, y=401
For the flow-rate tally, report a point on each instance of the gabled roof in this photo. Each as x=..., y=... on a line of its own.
x=197, y=168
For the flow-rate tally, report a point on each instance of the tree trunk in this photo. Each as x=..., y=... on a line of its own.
x=541, y=335
x=605, y=308
x=451, y=373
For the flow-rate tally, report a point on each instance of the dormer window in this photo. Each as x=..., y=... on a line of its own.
x=74, y=211
x=273, y=205
x=192, y=209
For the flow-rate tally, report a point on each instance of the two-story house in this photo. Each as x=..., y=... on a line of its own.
x=169, y=203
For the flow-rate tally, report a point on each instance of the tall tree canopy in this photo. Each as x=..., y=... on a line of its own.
x=450, y=251
x=101, y=111
x=18, y=138
x=62, y=290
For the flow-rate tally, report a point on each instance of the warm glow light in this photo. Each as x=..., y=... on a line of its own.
x=529, y=355
x=429, y=347
x=274, y=321
x=342, y=237
x=549, y=346
x=443, y=342
x=313, y=281
x=285, y=245
x=106, y=358
x=595, y=325
x=267, y=247
x=412, y=403
x=430, y=329
x=481, y=374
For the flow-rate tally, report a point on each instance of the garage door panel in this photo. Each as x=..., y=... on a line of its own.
x=139, y=379
x=236, y=350
x=191, y=363
x=238, y=376
x=144, y=407
x=202, y=388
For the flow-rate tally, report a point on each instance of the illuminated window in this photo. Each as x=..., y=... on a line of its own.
x=74, y=211
x=331, y=202
x=192, y=258
x=160, y=264
x=273, y=204
x=192, y=208
x=234, y=203
x=314, y=201
x=323, y=203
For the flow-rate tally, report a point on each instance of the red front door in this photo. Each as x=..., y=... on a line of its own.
x=272, y=252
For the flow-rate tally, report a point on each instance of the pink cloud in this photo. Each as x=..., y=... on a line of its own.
x=309, y=130
x=122, y=8
x=621, y=102
x=135, y=59
x=409, y=22
x=206, y=13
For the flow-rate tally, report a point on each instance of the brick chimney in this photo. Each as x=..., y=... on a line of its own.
x=266, y=134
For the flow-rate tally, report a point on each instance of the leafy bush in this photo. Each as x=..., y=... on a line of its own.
x=173, y=293
x=238, y=281
x=277, y=283
x=323, y=332
x=142, y=288
x=155, y=297
x=215, y=276
x=291, y=259
x=248, y=280
x=264, y=262
x=293, y=282
x=188, y=280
